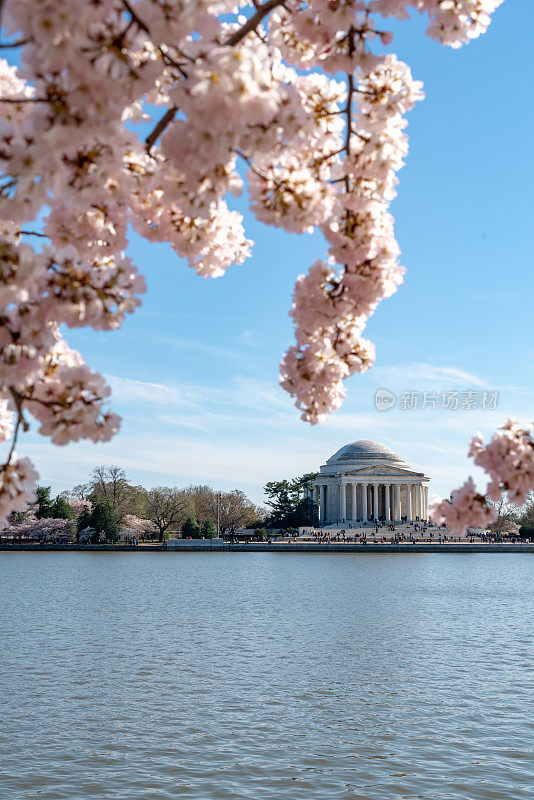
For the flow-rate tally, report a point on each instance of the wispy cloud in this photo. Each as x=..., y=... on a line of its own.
x=190, y=346
x=250, y=337
x=421, y=373
x=128, y=390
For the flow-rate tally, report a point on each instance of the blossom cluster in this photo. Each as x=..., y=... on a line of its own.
x=39, y=529
x=217, y=83
x=508, y=459
x=467, y=507
x=331, y=306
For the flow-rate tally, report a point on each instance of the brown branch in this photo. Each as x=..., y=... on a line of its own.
x=160, y=127
x=25, y=100
x=252, y=22
x=135, y=17
x=17, y=399
x=18, y=43
x=348, y=111
x=162, y=50
x=33, y=233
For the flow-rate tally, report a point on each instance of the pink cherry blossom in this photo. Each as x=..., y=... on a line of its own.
x=467, y=508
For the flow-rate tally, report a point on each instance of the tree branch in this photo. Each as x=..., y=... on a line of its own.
x=33, y=233
x=160, y=127
x=252, y=22
x=348, y=111
x=135, y=17
x=17, y=399
x=18, y=43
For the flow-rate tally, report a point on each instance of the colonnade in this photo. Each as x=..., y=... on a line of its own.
x=357, y=500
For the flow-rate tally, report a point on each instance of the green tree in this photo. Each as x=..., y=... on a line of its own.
x=291, y=502
x=208, y=530
x=61, y=509
x=102, y=518
x=191, y=529
x=43, y=503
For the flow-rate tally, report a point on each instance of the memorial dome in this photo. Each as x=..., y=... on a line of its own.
x=366, y=450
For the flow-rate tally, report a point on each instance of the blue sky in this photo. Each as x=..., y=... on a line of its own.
x=195, y=370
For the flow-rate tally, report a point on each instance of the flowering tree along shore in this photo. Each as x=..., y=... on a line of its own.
x=294, y=90
x=112, y=507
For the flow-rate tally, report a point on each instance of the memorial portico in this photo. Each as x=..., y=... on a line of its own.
x=366, y=481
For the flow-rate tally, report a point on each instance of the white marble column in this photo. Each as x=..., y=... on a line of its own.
x=408, y=501
x=397, y=501
x=387, y=502
x=323, y=503
x=354, y=501
x=375, y=501
x=419, y=502
x=343, y=504
x=364, y=501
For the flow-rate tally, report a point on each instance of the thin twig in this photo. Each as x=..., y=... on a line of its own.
x=18, y=43
x=17, y=399
x=25, y=100
x=135, y=17
x=34, y=233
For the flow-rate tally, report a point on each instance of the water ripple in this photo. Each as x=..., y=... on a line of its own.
x=266, y=676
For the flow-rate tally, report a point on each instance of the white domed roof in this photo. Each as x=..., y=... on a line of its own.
x=366, y=450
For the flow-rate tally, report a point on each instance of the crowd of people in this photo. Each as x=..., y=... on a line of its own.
x=382, y=532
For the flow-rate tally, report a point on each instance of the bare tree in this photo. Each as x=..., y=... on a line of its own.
x=81, y=491
x=506, y=522
x=202, y=501
x=111, y=484
x=526, y=514
x=235, y=511
x=166, y=507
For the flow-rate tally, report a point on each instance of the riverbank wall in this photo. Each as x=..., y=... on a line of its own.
x=207, y=546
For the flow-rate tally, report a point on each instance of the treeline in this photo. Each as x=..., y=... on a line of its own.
x=109, y=506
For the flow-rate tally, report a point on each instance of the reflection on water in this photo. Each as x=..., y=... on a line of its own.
x=285, y=676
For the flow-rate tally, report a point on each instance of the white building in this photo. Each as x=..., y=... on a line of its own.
x=366, y=481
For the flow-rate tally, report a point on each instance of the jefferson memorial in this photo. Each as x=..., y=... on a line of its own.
x=366, y=480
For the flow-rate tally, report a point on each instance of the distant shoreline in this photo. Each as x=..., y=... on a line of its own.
x=205, y=546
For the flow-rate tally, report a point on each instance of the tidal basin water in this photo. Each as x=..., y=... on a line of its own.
x=285, y=676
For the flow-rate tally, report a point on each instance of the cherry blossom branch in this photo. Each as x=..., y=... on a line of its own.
x=160, y=127
x=17, y=100
x=136, y=18
x=18, y=400
x=34, y=233
x=18, y=43
x=348, y=111
x=162, y=50
x=252, y=22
